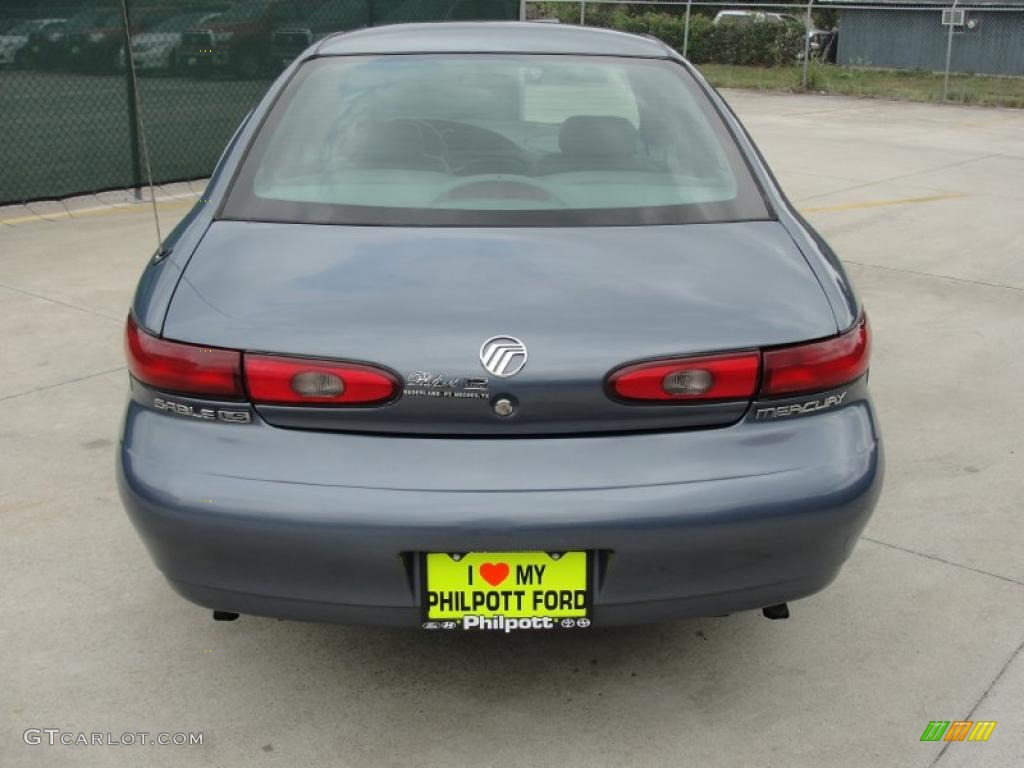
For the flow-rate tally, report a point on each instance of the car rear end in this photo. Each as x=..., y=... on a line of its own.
x=97, y=46
x=196, y=54
x=287, y=43
x=509, y=355
x=219, y=45
x=81, y=46
x=46, y=47
x=239, y=39
x=333, y=16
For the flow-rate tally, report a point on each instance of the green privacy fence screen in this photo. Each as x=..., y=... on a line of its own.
x=67, y=119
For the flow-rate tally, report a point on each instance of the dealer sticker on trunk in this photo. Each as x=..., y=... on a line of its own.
x=506, y=591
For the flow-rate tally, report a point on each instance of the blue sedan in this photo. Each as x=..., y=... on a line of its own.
x=496, y=327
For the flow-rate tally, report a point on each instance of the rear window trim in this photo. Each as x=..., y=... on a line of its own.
x=689, y=72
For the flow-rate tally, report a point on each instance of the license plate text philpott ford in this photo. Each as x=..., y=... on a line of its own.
x=517, y=585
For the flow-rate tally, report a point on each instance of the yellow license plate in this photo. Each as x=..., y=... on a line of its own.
x=496, y=590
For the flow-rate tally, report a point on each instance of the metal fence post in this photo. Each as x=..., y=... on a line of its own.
x=807, y=44
x=686, y=28
x=522, y=10
x=949, y=54
x=133, y=106
x=583, y=12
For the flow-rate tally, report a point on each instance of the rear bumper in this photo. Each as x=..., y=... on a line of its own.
x=89, y=54
x=149, y=60
x=286, y=54
x=316, y=526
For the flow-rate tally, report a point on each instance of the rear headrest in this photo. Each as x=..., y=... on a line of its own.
x=385, y=137
x=600, y=135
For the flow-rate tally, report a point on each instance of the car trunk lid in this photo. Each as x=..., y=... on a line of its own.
x=423, y=302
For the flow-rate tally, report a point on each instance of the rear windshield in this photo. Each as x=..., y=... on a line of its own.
x=493, y=140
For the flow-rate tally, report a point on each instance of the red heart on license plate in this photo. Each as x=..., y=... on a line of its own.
x=494, y=573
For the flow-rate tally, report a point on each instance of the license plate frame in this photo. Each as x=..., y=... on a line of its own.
x=512, y=613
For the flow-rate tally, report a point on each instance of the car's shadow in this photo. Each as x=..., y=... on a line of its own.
x=590, y=662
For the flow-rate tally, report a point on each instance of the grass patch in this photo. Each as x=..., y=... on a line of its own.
x=901, y=85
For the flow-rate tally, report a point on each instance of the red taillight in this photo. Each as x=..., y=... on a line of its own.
x=719, y=377
x=803, y=368
x=819, y=365
x=186, y=368
x=293, y=381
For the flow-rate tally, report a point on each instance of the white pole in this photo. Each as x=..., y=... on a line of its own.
x=807, y=42
x=949, y=54
x=583, y=12
x=686, y=29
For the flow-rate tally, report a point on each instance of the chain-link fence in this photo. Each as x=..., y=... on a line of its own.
x=908, y=49
x=68, y=118
x=73, y=119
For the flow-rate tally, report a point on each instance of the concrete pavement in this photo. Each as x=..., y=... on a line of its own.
x=926, y=622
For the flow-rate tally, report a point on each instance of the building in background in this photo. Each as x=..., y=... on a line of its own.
x=988, y=36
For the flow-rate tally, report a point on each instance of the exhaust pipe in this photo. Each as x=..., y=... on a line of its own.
x=224, y=616
x=780, y=611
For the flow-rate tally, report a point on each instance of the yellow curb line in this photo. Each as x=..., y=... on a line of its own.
x=175, y=201
x=881, y=203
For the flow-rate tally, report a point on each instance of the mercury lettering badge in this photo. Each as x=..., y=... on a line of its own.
x=797, y=409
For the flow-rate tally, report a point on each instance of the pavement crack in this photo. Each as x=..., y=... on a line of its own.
x=984, y=695
x=919, y=273
x=35, y=295
x=909, y=175
x=62, y=383
x=938, y=559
